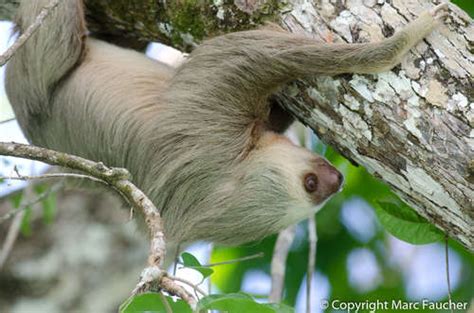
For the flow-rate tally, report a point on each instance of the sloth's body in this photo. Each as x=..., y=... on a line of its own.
x=202, y=141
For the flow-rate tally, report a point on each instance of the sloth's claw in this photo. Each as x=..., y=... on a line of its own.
x=440, y=12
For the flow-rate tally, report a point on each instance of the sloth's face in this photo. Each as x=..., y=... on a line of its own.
x=322, y=180
x=310, y=179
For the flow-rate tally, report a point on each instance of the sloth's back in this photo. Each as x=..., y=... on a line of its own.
x=93, y=117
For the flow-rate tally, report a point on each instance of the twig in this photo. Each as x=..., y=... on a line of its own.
x=7, y=120
x=40, y=197
x=117, y=178
x=171, y=287
x=55, y=175
x=245, y=258
x=278, y=266
x=14, y=230
x=28, y=32
x=311, y=260
x=190, y=284
x=64, y=175
x=446, y=253
x=11, y=238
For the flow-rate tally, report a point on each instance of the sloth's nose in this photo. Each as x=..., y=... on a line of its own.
x=330, y=178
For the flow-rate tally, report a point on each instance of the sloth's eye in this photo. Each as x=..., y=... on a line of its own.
x=311, y=182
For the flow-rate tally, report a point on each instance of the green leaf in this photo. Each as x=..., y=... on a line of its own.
x=190, y=261
x=404, y=223
x=205, y=271
x=237, y=303
x=25, y=227
x=152, y=302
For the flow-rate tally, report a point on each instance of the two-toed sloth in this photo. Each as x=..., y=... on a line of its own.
x=202, y=141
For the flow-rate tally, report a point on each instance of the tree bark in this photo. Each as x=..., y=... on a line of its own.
x=411, y=127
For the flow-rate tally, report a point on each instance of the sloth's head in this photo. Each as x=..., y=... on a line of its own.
x=277, y=185
x=310, y=179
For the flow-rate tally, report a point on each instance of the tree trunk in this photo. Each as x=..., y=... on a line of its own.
x=412, y=127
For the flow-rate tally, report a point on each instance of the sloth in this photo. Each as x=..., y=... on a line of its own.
x=204, y=141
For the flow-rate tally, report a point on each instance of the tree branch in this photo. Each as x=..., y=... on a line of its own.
x=118, y=179
x=180, y=24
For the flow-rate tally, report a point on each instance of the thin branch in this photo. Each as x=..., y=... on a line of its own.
x=64, y=175
x=11, y=237
x=278, y=266
x=311, y=259
x=54, y=175
x=8, y=120
x=172, y=288
x=189, y=283
x=28, y=32
x=117, y=178
x=14, y=229
x=39, y=198
x=245, y=258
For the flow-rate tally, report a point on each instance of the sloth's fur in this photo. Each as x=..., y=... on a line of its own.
x=199, y=140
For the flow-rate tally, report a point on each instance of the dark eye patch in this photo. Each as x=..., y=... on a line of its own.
x=311, y=182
